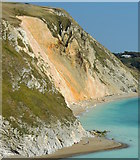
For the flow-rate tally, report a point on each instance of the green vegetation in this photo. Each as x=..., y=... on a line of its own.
x=101, y=55
x=44, y=13
x=132, y=62
x=20, y=43
x=30, y=49
x=27, y=104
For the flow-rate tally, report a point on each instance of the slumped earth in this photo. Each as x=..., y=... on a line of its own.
x=49, y=63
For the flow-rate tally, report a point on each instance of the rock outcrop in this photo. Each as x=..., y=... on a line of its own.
x=49, y=62
x=80, y=67
x=41, y=140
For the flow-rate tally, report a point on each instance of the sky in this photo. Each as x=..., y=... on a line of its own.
x=114, y=25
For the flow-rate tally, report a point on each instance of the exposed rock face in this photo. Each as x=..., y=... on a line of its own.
x=78, y=65
x=49, y=62
x=36, y=120
x=39, y=141
x=72, y=63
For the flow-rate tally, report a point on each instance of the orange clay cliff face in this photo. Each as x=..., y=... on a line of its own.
x=78, y=66
x=70, y=60
x=49, y=63
x=74, y=81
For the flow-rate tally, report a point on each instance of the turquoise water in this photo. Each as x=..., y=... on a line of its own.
x=121, y=119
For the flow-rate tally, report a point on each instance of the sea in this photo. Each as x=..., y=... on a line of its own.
x=121, y=119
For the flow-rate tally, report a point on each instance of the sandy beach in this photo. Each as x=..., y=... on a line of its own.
x=79, y=108
x=85, y=146
x=97, y=143
x=94, y=145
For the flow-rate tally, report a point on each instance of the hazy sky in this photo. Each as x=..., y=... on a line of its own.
x=114, y=25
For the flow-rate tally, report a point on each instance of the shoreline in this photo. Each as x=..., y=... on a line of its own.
x=96, y=144
x=79, y=108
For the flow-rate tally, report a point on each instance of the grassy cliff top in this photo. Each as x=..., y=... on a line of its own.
x=26, y=103
x=53, y=16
